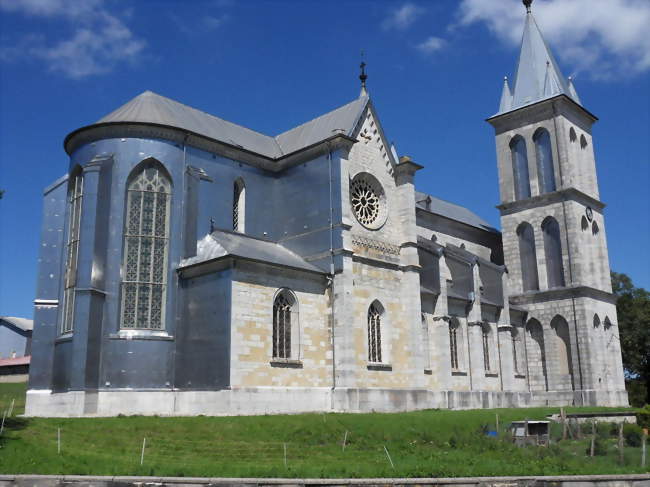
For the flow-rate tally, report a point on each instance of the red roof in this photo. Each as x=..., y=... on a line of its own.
x=6, y=362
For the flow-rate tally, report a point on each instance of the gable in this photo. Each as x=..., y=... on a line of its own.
x=369, y=133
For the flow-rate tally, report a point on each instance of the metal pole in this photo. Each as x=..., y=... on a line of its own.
x=621, y=456
x=58, y=441
x=11, y=408
x=144, y=444
x=2, y=427
x=644, y=438
x=345, y=439
x=593, y=438
x=285, y=455
x=389, y=458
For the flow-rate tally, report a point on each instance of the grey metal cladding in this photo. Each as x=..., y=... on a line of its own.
x=152, y=108
x=21, y=323
x=251, y=248
x=452, y=211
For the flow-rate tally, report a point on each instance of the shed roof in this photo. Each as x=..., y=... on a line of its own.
x=223, y=243
x=9, y=362
x=151, y=108
x=21, y=323
x=452, y=211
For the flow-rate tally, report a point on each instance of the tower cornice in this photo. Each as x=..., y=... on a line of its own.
x=500, y=118
x=566, y=194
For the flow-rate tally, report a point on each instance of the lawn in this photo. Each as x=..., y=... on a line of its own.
x=433, y=443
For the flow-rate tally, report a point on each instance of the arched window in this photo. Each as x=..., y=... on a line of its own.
x=285, y=324
x=454, y=343
x=563, y=350
x=536, y=356
x=485, y=333
x=583, y=142
x=239, y=206
x=528, y=257
x=596, y=322
x=146, y=242
x=75, y=196
x=553, y=253
x=572, y=135
x=584, y=224
x=426, y=343
x=545, y=170
x=375, y=313
x=520, y=168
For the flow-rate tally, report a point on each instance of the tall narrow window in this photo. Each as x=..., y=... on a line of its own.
x=514, y=336
x=545, y=170
x=454, y=339
x=520, y=174
x=75, y=196
x=528, y=257
x=486, y=347
x=564, y=363
x=146, y=241
x=536, y=356
x=238, y=206
x=425, y=343
x=282, y=324
x=374, y=332
x=553, y=252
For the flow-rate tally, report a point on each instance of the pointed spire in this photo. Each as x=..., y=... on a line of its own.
x=506, y=97
x=538, y=75
x=572, y=91
x=363, y=77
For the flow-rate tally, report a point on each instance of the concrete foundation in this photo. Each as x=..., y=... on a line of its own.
x=287, y=400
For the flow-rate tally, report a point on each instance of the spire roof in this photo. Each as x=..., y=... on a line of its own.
x=538, y=76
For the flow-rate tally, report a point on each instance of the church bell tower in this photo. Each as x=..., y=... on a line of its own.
x=553, y=228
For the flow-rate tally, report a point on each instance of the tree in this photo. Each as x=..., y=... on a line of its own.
x=633, y=309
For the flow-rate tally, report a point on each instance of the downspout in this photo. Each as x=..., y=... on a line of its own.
x=178, y=303
x=331, y=276
x=568, y=249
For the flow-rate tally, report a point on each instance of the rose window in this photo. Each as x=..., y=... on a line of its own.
x=367, y=199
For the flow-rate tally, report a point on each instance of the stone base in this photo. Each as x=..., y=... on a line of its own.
x=276, y=400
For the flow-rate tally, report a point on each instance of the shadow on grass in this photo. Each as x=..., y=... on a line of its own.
x=12, y=424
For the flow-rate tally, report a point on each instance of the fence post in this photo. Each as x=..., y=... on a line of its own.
x=621, y=445
x=285, y=455
x=345, y=439
x=593, y=438
x=2, y=426
x=389, y=458
x=564, y=425
x=644, y=439
x=497, y=415
x=58, y=441
x=11, y=408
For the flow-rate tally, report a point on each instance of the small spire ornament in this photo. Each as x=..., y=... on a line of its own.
x=527, y=3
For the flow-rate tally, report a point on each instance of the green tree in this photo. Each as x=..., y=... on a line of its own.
x=633, y=309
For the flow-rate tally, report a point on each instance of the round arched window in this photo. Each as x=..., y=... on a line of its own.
x=368, y=201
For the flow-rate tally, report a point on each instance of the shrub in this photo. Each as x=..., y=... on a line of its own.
x=632, y=434
x=643, y=416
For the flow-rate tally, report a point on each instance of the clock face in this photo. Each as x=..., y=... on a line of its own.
x=590, y=213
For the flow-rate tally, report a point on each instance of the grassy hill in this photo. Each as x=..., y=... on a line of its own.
x=433, y=443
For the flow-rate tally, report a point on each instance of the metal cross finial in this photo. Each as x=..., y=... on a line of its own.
x=363, y=76
x=527, y=3
x=211, y=225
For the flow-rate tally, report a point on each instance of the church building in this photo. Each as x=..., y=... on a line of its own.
x=189, y=265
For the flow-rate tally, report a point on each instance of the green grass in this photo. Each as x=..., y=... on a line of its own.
x=422, y=444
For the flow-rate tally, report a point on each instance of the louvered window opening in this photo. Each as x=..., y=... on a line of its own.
x=75, y=197
x=374, y=334
x=146, y=240
x=282, y=327
x=453, y=346
x=486, y=349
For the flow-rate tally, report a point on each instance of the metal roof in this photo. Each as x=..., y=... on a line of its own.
x=538, y=75
x=9, y=362
x=150, y=107
x=451, y=211
x=223, y=243
x=20, y=323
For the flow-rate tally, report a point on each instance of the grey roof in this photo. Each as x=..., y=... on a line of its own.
x=150, y=107
x=223, y=243
x=538, y=76
x=20, y=323
x=451, y=211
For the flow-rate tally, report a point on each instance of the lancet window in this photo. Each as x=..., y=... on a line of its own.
x=75, y=197
x=146, y=242
x=284, y=317
x=374, y=332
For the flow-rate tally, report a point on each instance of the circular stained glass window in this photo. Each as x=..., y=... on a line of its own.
x=368, y=201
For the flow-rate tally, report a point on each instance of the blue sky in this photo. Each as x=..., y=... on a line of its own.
x=435, y=73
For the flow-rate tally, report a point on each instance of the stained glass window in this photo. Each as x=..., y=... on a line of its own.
x=453, y=344
x=282, y=309
x=75, y=196
x=374, y=333
x=146, y=237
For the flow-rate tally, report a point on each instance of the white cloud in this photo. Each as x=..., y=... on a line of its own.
x=403, y=17
x=600, y=37
x=99, y=40
x=431, y=45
